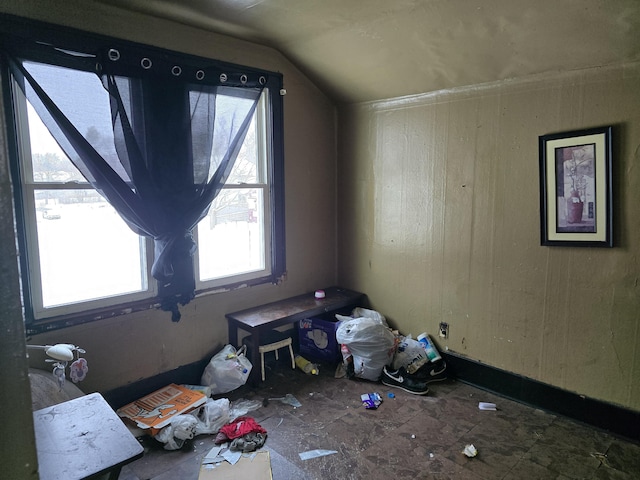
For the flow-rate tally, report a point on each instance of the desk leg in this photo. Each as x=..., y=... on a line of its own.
x=255, y=376
x=233, y=333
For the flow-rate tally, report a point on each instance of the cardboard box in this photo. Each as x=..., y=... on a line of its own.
x=156, y=410
x=317, y=338
x=254, y=467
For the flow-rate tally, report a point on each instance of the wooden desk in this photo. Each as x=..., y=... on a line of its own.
x=266, y=317
x=81, y=439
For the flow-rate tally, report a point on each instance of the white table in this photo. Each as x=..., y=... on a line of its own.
x=81, y=439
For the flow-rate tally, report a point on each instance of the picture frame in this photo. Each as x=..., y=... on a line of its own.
x=576, y=188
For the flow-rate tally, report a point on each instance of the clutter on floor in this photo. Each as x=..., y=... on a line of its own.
x=407, y=436
x=306, y=366
x=370, y=343
x=371, y=401
x=362, y=345
x=158, y=409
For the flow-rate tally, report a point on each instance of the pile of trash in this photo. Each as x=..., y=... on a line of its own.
x=177, y=413
x=367, y=343
x=371, y=350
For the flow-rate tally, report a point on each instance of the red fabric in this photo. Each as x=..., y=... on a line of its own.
x=240, y=427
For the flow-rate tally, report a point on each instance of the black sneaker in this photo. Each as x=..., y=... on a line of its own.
x=400, y=379
x=431, y=372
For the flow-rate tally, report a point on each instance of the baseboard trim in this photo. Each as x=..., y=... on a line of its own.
x=613, y=418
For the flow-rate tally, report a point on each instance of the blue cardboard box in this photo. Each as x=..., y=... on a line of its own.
x=317, y=338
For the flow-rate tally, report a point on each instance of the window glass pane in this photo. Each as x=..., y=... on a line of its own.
x=231, y=236
x=86, y=251
x=245, y=169
x=49, y=163
x=86, y=105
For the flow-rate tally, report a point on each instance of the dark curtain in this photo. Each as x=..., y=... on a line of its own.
x=156, y=139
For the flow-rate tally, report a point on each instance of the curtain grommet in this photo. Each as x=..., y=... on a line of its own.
x=113, y=54
x=146, y=63
x=223, y=77
x=176, y=71
x=200, y=75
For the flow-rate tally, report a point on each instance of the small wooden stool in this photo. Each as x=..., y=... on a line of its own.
x=273, y=347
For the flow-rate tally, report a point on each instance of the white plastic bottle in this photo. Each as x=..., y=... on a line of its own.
x=429, y=347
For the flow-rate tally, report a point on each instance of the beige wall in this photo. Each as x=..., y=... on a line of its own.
x=124, y=349
x=439, y=221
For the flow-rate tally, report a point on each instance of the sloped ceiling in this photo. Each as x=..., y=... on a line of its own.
x=362, y=50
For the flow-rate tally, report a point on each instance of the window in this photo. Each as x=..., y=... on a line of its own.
x=82, y=251
x=236, y=223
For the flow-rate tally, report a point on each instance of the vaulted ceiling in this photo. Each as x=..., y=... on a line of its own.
x=362, y=50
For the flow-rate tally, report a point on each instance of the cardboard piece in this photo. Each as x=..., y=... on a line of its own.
x=256, y=467
x=156, y=410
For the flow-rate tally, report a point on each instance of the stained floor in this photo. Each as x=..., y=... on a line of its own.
x=407, y=437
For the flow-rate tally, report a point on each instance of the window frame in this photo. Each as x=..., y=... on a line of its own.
x=39, y=31
x=28, y=187
x=262, y=183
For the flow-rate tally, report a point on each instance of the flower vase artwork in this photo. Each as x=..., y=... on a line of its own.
x=578, y=171
x=575, y=206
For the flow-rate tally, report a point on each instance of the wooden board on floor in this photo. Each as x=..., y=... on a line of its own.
x=254, y=468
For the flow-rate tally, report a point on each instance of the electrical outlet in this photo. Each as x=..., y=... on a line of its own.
x=444, y=330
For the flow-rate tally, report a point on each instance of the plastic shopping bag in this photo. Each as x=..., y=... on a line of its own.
x=212, y=416
x=227, y=370
x=181, y=428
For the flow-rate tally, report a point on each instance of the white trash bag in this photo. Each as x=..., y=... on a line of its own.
x=359, y=312
x=212, y=416
x=371, y=343
x=181, y=428
x=227, y=370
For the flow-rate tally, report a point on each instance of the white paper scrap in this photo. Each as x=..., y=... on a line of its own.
x=212, y=455
x=232, y=457
x=315, y=454
x=487, y=406
x=470, y=451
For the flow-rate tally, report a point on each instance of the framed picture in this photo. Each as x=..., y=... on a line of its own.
x=575, y=188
